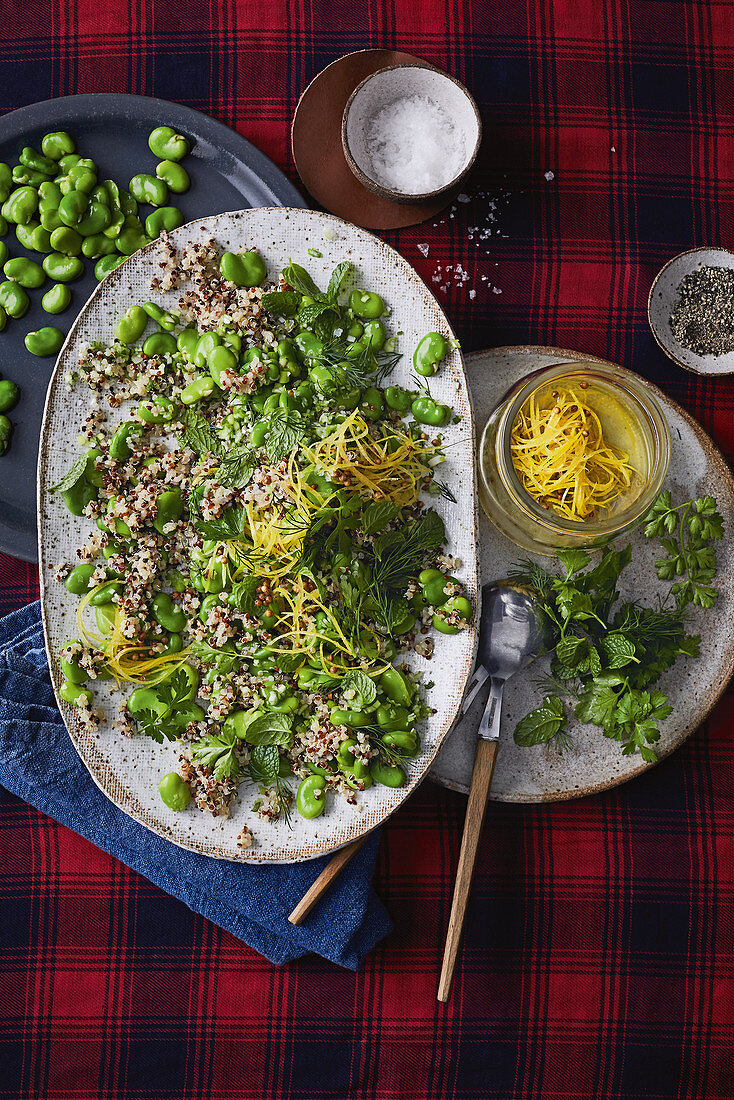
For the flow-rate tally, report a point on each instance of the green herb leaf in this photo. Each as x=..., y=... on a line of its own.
x=287, y=432
x=297, y=277
x=198, y=434
x=377, y=515
x=244, y=593
x=270, y=729
x=236, y=468
x=338, y=277
x=284, y=303
x=231, y=525
x=361, y=683
x=220, y=659
x=620, y=651
x=217, y=751
x=573, y=561
x=264, y=764
x=73, y=476
x=175, y=689
x=541, y=725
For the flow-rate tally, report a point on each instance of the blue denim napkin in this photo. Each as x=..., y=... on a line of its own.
x=39, y=764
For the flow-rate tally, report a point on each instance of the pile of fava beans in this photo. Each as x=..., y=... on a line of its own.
x=62, y=210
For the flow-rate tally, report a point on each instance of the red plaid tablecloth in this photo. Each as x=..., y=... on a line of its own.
x=599, y=946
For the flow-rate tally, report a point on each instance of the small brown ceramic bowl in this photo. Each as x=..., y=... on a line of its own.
x=389, y=86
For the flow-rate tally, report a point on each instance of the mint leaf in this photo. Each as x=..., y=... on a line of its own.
x=620, y=651
x=297, y=277
x=244, y=593
x=361, y=683
x=270, y=729
x=237, y=467
x=284, y=303
x=72, y=477
x=338, y=277
x=264, y=764
x=377, y=515
x=287, y=432
x=197, y=433
x=541, y=725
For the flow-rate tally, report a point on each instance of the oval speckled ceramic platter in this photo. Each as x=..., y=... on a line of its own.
x=593, y=763
x=128, y=770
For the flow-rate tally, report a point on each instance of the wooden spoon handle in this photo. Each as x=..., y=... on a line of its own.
x=326, y=879
x=475, y=810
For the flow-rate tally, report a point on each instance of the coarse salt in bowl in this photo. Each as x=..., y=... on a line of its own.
x=410, y=133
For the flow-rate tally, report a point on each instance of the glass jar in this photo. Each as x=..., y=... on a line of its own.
x=638, y=426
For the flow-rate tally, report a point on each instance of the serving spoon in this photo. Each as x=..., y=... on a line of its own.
x=512, y=634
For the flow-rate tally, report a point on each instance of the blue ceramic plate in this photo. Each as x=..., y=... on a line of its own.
x=227, y=173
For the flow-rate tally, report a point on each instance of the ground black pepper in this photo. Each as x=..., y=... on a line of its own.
x=703, y=318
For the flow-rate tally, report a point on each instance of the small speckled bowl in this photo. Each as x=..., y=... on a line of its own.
x=388, y=86
x=663, y=298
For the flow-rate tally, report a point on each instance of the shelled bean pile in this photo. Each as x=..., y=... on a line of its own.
x=63, y=211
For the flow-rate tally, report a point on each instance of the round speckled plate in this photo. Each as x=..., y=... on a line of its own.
x=128, y=770
x=593, y=763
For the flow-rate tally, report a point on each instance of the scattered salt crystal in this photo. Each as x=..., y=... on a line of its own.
x=496, y=290
x=549, y=176
x=424, y=248
x=463, y=198
x=612, y=150
x=472, y=294
x=414, y=145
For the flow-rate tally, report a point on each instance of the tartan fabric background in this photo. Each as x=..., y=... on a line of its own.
x=599, y=946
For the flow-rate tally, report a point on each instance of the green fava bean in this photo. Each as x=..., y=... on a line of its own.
x=403, y=741
x=187, y=342
x=392, y=716
x=206, y=605
x=105, y=617
x=428, y=411
x=105, y=265
x=429, y=353
x=63, y=269
x=49, y=194
x=166, y=144
x=160, y=343
x=386, y=774
x=175, y=645
x=80, y=178
x=205, y=346
x=32, y=159
x=165, y=218
x=66, y=240
x=49, y=216
x=44, y=341
x=14, y=299
x=75, y=694
x=397, y=687
x=100, y=194
x=29, y=176
x=25, y=272
x=21, y=205
x=40, y=239
x=131, y=240
x=398, y=399
x=3, y=318
x=197, y=390
x=157, y=411
x=162, y=317
x=68, y=161
x=6, y=431
x=459, y=605
x=78, y=580
x=221, y=359
x=170, y=507
x=70, y=666
x=73, y=207
x=374, y=332
x=97, y=218
x=9, y=395
x=352, y=718
x=127, y=203
x=57, y=144
x=174, y=792
x=146, y=698
x=246, y=269
x=4, y=253
x=119, y=445
x=98, y=245
x=91, y=473
x=310, y=801
x=6, y=180
x=366, y=305
x=117, y=223
x=307, y=345
x=78, y=497
x=150, y=189
x=443, y=627
x=176, y=580
x=105, y=593
x=167, y=613
x=24, y=233
x=433, y=589
x=174, y=175
x=372, y=403
x=131, y=325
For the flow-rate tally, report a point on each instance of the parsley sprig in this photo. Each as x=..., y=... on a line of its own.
x=607, y=659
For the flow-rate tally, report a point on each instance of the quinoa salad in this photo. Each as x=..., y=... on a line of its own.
x=269, y=544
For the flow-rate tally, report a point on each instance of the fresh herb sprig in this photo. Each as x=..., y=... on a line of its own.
x=606, y=659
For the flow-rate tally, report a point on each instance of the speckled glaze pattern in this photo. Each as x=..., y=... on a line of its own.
x=127, y=770
x=664, y=296
x=594, y=763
